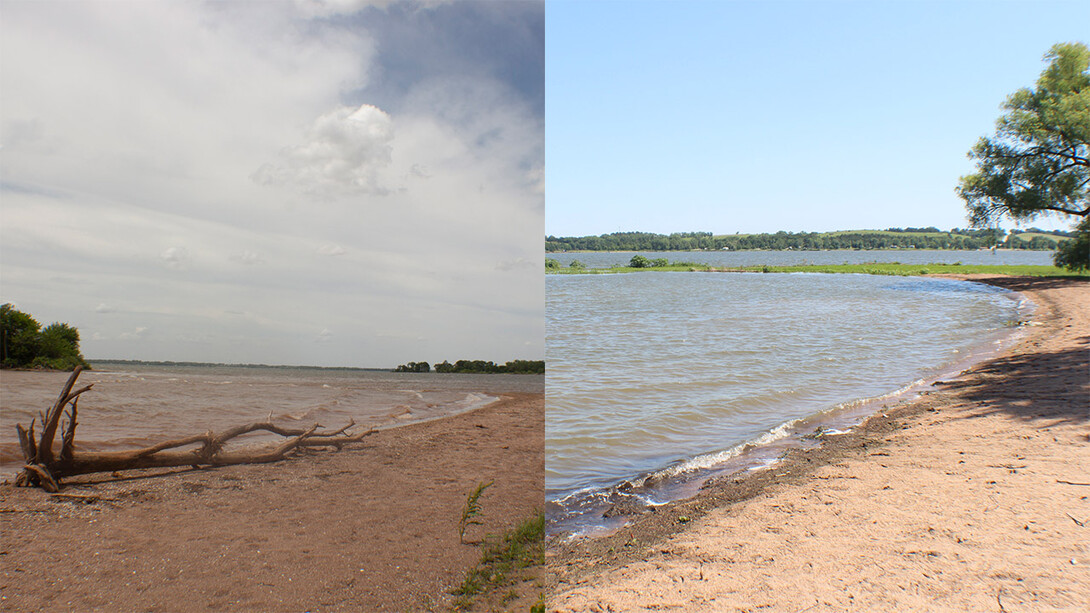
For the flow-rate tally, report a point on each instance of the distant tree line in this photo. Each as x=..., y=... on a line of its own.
x=414, y=367
x=893, y=238
x=25, y=344
x=516, y=367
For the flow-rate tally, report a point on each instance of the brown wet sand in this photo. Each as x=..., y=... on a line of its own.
x=973, y=497
x=373, y=527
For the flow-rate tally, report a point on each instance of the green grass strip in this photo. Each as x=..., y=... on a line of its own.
x=503, y=559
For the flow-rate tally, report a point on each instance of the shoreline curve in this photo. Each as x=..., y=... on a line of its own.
x=967, y=484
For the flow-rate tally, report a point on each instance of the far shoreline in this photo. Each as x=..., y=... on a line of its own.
x=188, y=364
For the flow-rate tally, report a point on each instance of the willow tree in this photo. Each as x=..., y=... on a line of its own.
x=1038, y=161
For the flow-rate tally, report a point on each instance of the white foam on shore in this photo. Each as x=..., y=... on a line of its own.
x=711, y=460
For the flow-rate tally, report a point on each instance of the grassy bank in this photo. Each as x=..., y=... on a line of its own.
x=873, y=268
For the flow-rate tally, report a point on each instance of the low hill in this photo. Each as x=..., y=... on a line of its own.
x=892, y=238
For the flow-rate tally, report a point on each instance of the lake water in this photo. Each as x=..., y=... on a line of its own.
x=727, y=259
x=137, y=405
x=671, y=375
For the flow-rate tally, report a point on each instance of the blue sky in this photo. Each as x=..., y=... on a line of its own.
x=318, y=182
x=765, y=116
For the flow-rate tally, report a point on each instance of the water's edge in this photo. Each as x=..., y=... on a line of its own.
x=600, y=512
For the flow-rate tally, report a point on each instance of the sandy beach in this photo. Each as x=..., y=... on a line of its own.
x=373, y=527
x=975, y=496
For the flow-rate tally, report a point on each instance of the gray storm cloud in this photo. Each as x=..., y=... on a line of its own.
x=299, y=163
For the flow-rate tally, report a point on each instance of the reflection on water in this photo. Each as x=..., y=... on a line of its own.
x=662, y=373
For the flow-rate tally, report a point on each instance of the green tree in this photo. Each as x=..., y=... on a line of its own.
x=23, y=343
x=18, y=337
x=639, y=261
x=414, y=367
x=58, y=347
x=1074, y=253
x=1038, y=162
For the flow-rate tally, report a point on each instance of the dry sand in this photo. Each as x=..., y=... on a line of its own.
x=973, y=497
x=370, y=528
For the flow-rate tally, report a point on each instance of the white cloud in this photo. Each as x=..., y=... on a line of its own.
x=184, y=99
x=329, y=8
x=247, y=257
x=331, y=250
x=136, y=334
x=345, y=152
x=132, y=136
x=175, y=257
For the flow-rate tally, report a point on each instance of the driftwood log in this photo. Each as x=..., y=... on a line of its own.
x=44, y=468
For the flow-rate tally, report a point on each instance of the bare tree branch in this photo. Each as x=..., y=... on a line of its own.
x=45, y=470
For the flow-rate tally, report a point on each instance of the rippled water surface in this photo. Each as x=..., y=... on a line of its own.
x=137, y=405
x=662, y=373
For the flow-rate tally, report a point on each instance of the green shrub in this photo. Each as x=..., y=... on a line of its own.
x=23, y=342
x=1074, y=253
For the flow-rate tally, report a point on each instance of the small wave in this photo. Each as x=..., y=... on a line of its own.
x=711, y=460
x=858, y=402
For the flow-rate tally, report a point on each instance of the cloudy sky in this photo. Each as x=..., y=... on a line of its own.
x=668, y=116
x=333, y=182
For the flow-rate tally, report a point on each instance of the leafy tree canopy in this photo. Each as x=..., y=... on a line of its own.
x=1074, y=254
x=25, y=344
x=414, y=367
x=518, y=367
x=1039, y=159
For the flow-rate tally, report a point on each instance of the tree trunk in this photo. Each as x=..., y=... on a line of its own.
x=45, y=469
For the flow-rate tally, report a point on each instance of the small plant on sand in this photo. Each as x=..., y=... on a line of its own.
x=472, y=510
x=504, y=563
